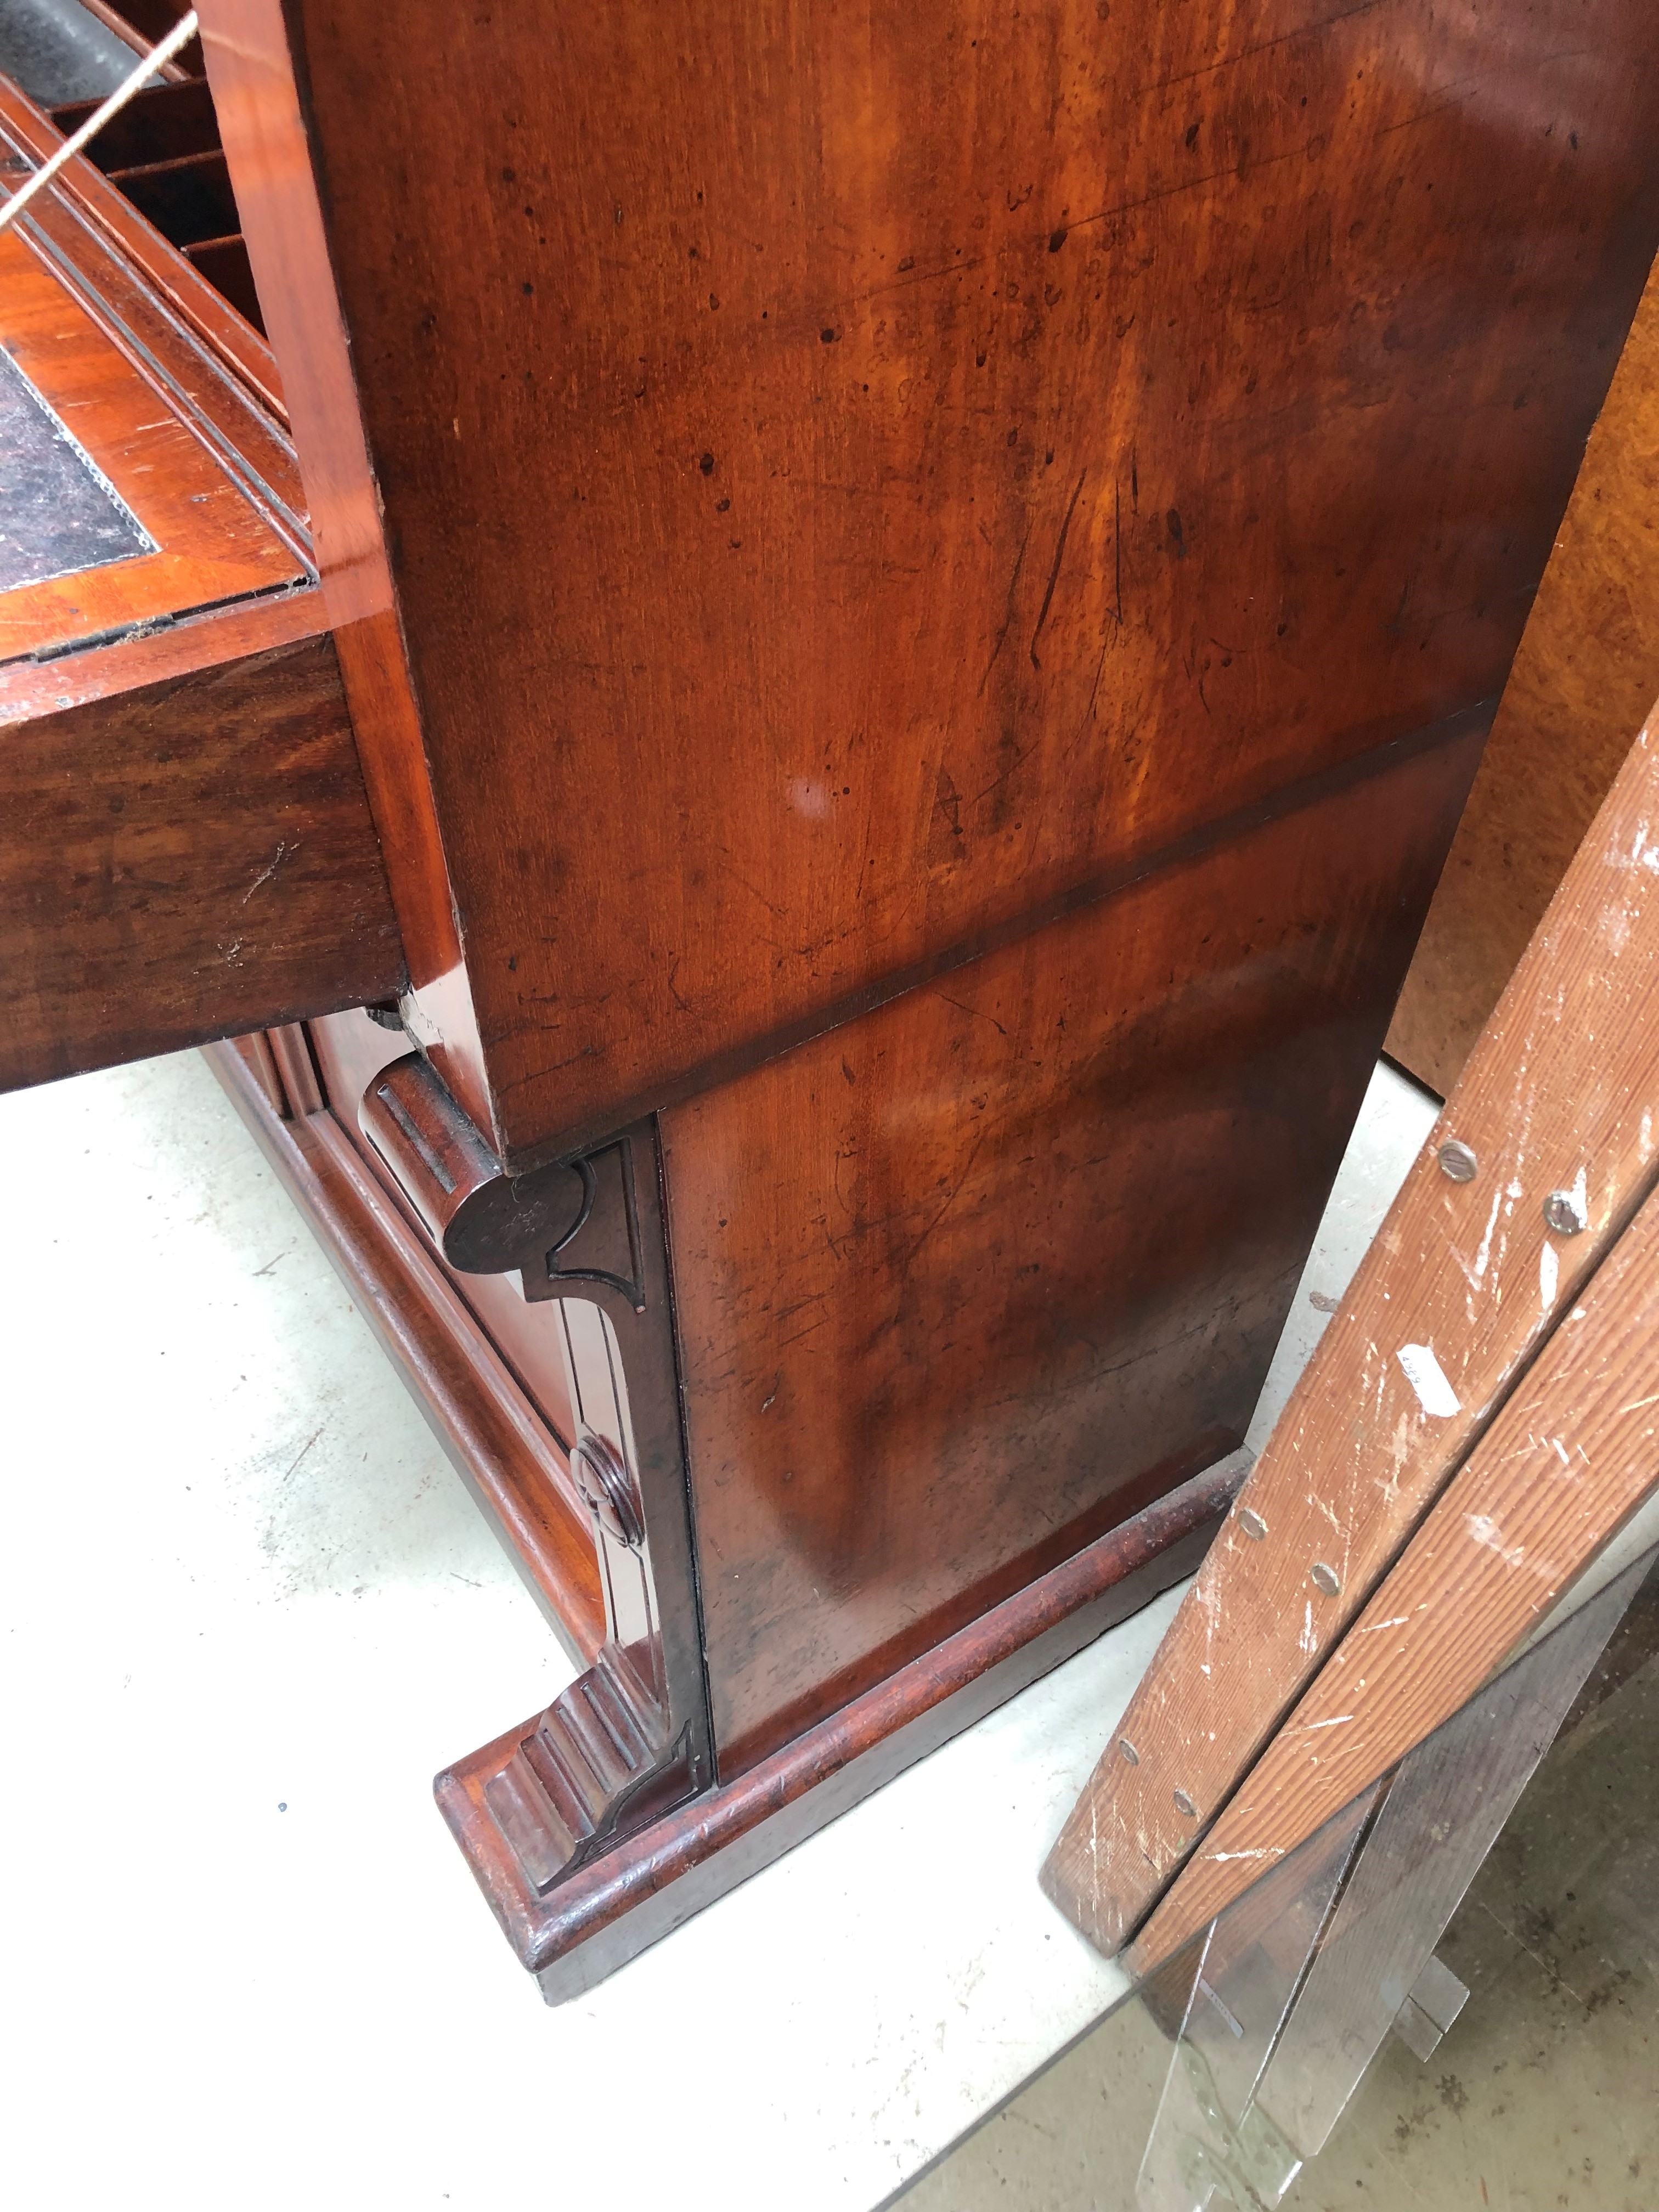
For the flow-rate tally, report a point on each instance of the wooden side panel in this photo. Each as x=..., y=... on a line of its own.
x=853, y=473
x=187, y=860
x=966, y=1281
x=1586, y=674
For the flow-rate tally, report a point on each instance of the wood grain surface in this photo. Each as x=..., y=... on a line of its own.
x=1564, y=1465
x=851, y=475
x=185, y=860
x=1561, y=1094
x=1585, y=675
x=964, y=1283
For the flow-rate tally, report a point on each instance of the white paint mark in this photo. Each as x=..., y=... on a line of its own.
x=1485, y=1252
x=1486, y=1532
x=1427, y=1378
x=1549, y=1276
x=1637, y=1403
x=1221, y=1858
x=1560, y=1451
x=266, y=874
x=1340, y=1720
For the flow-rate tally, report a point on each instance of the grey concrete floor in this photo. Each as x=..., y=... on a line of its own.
x=1545, y=2091
x=247, y=1610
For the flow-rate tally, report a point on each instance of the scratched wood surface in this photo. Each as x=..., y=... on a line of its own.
x=1571, y=1457
x=187, y=860
x=1462, y=1285
x=853, y=474
x=1585, y=675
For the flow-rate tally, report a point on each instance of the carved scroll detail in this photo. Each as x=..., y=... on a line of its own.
x=588, y=1772
x=630, y=1738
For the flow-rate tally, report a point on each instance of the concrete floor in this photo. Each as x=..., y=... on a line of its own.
x=1544, y=2095
x=249, y=1611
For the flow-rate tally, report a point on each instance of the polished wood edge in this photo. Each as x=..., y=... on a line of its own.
x=90, y=671
x=256, y=82
x=500, y=1446
x=639, y=1892
x=209, y=313
x=300, y=1087
x=149, y=301
x=1187, y=851
x=243, y=435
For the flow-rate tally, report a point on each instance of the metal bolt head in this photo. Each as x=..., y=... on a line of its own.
x=1252, y=1523
x=1456, y=1160
x=1563, y=1213
x=1184, y=1806
x=1131, y=1756
x=1325, y=1578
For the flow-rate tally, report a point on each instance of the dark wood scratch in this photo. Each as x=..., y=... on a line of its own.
x=1008, y=614
x=1053, y=572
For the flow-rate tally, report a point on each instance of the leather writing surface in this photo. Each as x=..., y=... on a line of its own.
x=58, y=513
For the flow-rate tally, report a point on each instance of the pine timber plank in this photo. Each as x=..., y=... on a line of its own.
x=1587, y=666
x=1564, y=1467
x=1561, y=1095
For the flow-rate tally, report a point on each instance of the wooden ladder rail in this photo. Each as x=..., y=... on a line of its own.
x=1546, y=1151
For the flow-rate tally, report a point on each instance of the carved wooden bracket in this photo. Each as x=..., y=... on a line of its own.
x=631, y=1738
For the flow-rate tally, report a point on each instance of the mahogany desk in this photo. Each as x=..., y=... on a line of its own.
x=811, y=898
